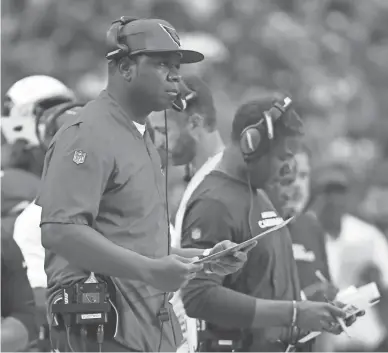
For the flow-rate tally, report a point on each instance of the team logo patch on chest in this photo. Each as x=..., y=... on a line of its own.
x=79, y=157
x=270, y=219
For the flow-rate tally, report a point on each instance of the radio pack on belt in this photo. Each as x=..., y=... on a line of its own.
x=85, y=303
x=86, y=307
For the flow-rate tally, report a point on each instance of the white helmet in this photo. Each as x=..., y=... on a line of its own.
x=21, y=102
x=26, y=93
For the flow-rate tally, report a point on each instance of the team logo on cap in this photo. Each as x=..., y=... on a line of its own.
x=172, y=33
x=79, y=157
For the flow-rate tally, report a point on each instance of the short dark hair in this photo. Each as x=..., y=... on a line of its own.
x=203, y=103
x=251, y=113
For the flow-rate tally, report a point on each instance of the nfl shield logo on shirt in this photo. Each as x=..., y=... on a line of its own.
x=79, y=157
x=196, y=234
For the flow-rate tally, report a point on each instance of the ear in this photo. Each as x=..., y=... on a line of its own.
x=126, y=68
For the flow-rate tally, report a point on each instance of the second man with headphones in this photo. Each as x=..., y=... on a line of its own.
x=258, y=308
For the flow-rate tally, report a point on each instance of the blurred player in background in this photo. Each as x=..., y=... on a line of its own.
x=292, y=199
x=352, y=246
x=23, y=102
x=193, y=139
x=308, y=236
x=22, y=157
x=33, y=110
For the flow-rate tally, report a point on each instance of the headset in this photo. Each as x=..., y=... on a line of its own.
x=116, y=49
x=253, y=136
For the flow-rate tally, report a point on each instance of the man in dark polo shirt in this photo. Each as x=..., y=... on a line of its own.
x=103, y=198
x=254, y=307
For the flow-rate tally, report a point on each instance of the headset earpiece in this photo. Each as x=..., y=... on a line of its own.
x=250, y=141
x=115, y=48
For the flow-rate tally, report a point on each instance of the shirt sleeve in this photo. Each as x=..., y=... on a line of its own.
x=76, y=172
x=206, y=223
x=17, y=297
x=27, y=235
x=380, y=255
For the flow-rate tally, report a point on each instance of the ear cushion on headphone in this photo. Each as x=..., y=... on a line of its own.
x=250, y=141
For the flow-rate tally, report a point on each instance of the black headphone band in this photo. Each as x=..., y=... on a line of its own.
x=118, y=49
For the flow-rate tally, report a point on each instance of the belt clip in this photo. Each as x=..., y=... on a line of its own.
x=164, y=315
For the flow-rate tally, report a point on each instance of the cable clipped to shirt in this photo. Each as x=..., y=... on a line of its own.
x=163, y=312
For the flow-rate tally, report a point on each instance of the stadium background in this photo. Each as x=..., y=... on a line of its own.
x=331, y=55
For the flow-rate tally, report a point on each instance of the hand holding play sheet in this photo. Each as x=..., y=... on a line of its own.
x=242, y=246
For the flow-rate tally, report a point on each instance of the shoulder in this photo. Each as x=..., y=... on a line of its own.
x=82, y=133
x=217, y=187
x=207, y=206
x=207, y=220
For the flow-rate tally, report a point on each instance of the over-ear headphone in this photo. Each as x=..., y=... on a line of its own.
x=116, y=49
x=253, y=136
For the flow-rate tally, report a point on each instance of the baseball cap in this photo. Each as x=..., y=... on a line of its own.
x=146, y=36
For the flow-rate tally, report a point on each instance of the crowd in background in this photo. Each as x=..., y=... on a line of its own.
x=330, y=55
